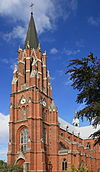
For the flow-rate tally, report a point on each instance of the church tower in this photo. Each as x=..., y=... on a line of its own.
x=33, y=126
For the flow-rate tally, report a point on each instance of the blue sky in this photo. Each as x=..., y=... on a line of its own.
x=67, y=30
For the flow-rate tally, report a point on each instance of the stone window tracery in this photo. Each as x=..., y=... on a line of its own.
x=64, y=165
x=24, y=139
x=24, y=111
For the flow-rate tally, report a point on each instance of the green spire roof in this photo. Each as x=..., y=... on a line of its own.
x=31, y=37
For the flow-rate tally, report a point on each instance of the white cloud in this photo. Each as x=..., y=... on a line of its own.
x=46, y=13
x=3, y=151
x=66, y=8
x=17, y=32
x=53, y=51
x=3, y=128
x=71, y=52
x=73, y=4
x=4, y=119
x=93, y=21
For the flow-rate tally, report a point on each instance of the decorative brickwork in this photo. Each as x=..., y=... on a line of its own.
x=36, y=140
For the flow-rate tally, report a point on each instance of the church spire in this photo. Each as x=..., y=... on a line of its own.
x=32, y=38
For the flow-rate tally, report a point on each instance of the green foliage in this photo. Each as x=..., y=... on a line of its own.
x=81, y=169
x=4, y=167
x=98, y=170
x=85, y=77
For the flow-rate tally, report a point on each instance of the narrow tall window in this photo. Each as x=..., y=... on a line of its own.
x=82, y=163
x=23, y=111
x=44, y=135
x=23, y=140
x=31, y=61
x=88, y=146
x=25, y=72
x=43, y=113
x=64, y=165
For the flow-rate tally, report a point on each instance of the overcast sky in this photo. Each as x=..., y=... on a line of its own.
x=67, y=29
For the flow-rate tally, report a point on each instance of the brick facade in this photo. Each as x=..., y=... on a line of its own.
x=36, y=139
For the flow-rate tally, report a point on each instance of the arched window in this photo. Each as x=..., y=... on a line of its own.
x=88, y=146
x=69, y=138
x=44, y=135
x=62, y=135
x=62, y=146
x=64, y=165
x=23, y=139
x=43, y=114
x=82, y=163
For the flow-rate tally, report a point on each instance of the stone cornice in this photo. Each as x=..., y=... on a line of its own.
x=31, y=89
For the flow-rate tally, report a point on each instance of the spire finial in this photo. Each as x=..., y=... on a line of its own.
x=76, y=122
x=31, y=7
x=31, y=37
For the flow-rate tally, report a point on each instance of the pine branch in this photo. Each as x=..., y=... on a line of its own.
x=85, y=77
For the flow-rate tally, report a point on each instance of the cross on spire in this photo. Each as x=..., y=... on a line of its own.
x=31, y=7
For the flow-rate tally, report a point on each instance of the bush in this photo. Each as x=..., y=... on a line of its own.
x=4, y=167
x=81, y=169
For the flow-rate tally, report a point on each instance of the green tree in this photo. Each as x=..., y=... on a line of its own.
x=85, y=77
x=81, y=169
x=4, y=167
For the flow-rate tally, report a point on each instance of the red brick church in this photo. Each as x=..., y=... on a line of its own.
x=38, y=139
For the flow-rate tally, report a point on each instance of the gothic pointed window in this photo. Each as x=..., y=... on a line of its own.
x=88, y=146
x=69, y=138
x=24, y=111
x=82, y=163
x=64, y=165
x=24, y=139
x=62, y=146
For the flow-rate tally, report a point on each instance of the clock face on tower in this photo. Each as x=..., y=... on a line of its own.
x=23, y=101
x=44, y=103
